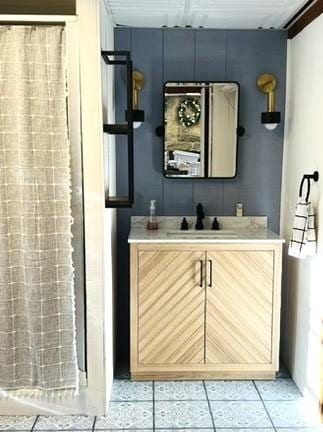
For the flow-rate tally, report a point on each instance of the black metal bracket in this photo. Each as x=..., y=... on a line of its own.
x=123, y=58
x=160, y=131
x=315, y=177
x=113, y=61
x=240, y=131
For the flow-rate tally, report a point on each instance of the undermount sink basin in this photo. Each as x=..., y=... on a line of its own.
x=221, y=234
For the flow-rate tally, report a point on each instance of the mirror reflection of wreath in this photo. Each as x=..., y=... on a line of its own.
x=188, y=112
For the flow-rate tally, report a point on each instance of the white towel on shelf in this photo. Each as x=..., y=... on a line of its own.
x=303, y=237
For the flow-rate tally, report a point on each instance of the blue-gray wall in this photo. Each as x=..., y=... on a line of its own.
x=187, y=54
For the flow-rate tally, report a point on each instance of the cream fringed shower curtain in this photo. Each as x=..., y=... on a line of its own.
x=37, y=317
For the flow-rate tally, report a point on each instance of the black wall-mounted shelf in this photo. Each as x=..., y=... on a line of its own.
x=122, y=58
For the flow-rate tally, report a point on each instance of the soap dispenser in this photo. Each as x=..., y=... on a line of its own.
x=152, y=223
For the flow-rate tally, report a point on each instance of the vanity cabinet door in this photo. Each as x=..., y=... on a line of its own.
x=170, y=307
x=239, y=307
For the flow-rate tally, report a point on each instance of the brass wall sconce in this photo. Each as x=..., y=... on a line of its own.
x=267, y=83
x=138, y=83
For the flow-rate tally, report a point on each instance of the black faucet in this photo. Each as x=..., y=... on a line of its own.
x=200, y=216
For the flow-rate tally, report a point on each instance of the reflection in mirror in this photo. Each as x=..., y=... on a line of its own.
x=201, y=121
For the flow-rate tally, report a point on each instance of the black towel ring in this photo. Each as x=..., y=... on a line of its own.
x=308, y=177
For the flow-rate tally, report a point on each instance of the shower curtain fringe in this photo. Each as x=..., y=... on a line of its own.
x=39, y=394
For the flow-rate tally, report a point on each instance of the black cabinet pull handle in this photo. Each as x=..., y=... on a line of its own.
x=210, y=282
x=201, y=273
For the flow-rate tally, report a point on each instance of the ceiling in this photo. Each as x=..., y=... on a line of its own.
x=239, y=14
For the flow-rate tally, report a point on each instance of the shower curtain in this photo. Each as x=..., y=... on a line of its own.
x=37, y=316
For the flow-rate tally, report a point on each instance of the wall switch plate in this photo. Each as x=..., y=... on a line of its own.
x=239, y=209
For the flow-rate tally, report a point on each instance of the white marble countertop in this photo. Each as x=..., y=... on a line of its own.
x=232, y=230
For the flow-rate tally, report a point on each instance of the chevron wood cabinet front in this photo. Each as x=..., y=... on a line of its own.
x=239, y=307
x=170, y=307
x=203, y=311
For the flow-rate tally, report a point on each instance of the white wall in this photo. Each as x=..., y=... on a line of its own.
x=303, y=153
x=107, y=43
x=74, y=121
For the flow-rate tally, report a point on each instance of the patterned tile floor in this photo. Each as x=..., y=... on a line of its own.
x=190, y=406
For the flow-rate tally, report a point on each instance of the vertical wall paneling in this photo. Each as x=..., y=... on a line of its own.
x=257, y=184
x=179, y=62
x=147, y=146
x=188, y=54
x=210, y=65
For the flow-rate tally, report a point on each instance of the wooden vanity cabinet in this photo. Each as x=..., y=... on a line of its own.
x=202, y=311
